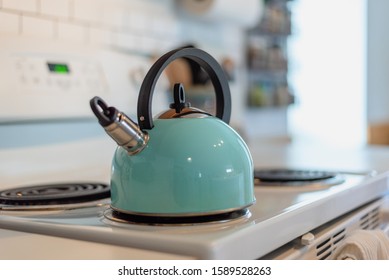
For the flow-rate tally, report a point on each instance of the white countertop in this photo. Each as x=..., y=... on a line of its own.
x=315, y=156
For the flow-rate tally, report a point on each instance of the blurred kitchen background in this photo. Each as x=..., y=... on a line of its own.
x=300, y=71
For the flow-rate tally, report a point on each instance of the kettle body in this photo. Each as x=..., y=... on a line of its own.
x=183, y=163
x=170, y=177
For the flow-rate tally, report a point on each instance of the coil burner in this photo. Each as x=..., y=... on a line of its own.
x=296, y=178
x=53, y=195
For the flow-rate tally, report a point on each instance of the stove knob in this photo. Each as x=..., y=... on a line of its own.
x=307, y=239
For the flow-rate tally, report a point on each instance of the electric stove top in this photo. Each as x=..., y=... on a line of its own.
x=278, y=216
x=290, y=203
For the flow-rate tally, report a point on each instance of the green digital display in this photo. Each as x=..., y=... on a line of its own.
x=59, y=68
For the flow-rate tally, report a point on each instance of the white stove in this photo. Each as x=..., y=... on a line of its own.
x=281, y=215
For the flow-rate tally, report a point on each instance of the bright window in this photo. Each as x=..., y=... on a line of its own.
x=327, y=72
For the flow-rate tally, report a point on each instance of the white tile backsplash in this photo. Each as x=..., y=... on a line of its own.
x=9, y=23
x=57, y=8
x=72, y=32
x=146, y=26
x=88, y=10
x=21, y=5
x=113, y=16
x=124, y=40
x=38, y=27
x=100, y=36
x=137, y=21
x=150, y=44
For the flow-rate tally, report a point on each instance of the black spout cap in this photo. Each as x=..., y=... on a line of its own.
x=106, y=115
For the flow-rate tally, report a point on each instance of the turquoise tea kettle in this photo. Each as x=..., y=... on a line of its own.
x=183, y=163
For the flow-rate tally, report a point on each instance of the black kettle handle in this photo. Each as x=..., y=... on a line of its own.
x=207, y=62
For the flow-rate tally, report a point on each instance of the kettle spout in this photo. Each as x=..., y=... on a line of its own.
x=121, y=128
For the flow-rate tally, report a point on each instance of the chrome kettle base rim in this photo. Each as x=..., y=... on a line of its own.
x=201, y=218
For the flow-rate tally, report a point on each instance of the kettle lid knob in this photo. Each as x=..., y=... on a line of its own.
x=179, y=98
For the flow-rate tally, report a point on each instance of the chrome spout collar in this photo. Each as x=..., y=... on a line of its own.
x=127, y=134
x=121, y=128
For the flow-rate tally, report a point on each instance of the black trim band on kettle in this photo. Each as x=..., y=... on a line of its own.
x=207, y=62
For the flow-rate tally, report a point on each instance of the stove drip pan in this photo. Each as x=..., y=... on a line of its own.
x=294, y=178
x=127, y=218
x=54, y=195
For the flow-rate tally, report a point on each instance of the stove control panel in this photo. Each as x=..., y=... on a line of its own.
x=59, y=75
x=50, y=80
